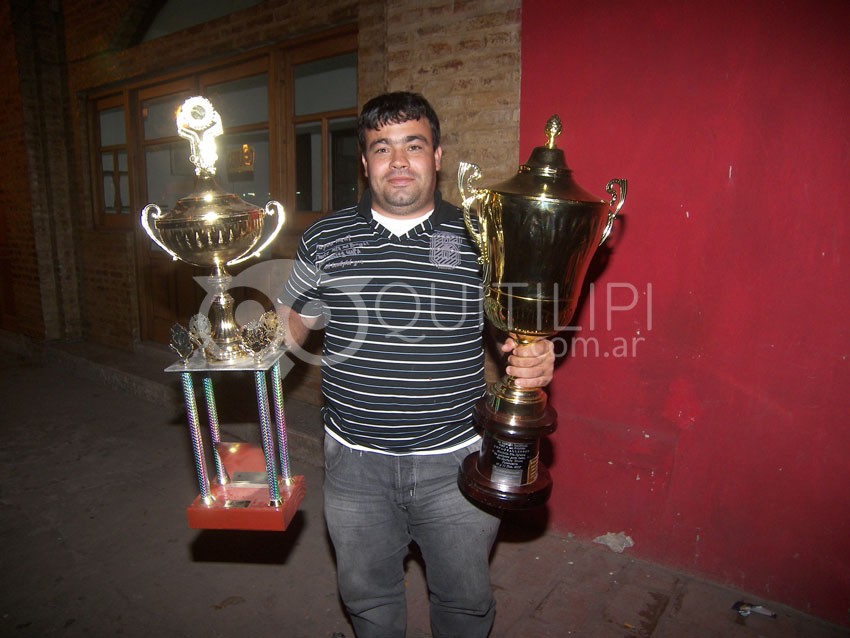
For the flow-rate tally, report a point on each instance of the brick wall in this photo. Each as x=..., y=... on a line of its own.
x=371, y=49
x=46, y=122
x=463, y=55
x=109, y=287
x=98, y=58
x=93, y=27
x=20, y=301
x=39, y=267
x=265, y=24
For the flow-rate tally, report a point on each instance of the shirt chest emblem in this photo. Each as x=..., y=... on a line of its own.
x=445, y=250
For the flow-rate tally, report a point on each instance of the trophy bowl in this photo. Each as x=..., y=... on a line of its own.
x=212, y=228
x=209, y=228
x=536, y=234
x=198, y=232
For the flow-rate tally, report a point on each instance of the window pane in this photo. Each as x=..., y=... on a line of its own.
x=123, y=183
x=243, y=166
x=245, y=101
x=313, y=79
x=124, y=186
x=112, y=127
x=115, y=201
x=160, y=115
x=170, y=174
x=108, y=182
x=308, y=167
x=344, y=162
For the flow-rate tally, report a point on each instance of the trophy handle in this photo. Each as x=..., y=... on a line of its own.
x=271, y=209
x=616, y=204
x=155, y=212
x=467, y=173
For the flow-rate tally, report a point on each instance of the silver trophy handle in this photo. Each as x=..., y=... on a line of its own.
x=272, y=209
x=155, y=212
x=616, y=204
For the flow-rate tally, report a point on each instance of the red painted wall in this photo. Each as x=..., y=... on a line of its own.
x=719, y=438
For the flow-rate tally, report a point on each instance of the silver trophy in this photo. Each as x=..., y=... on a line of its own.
x=213, y=229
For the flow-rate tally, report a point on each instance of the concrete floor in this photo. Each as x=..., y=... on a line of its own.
x=95, y=476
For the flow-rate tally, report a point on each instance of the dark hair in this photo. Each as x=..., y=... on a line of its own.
x=395, y=108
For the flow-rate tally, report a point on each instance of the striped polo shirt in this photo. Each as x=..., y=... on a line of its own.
x=402, y=362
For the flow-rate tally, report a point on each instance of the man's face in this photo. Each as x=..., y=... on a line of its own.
x=401, y=165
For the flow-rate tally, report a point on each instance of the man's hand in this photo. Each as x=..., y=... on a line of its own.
x=297, y=328
x=531, y=365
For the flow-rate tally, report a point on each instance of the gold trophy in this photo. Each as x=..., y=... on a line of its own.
x=212, y=229
x=536, y=234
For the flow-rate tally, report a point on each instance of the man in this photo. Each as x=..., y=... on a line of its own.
x=396, y=285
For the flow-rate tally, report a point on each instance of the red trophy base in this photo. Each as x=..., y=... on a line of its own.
x=244, y=502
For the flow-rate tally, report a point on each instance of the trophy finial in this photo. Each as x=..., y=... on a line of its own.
x=200, y=123
x=553, y=130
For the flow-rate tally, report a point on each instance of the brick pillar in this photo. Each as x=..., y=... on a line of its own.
x=371, y=49
x=465, y=58
x=39, y=47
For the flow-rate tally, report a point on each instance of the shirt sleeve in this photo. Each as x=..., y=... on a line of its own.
x=301, y=291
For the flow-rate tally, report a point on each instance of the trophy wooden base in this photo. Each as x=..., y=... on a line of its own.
x=507, y=472
x=507, y=497
x=243, y=503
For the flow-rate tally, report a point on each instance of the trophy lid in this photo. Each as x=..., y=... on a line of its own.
x=209, y=203
x=546, y=175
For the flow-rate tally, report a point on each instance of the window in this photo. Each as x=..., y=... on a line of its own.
x=112, y=191
x=169, y=175
x=295, y=143
x=326, y=164
x=244, y=154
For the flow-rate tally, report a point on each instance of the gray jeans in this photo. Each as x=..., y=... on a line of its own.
x=375, y=505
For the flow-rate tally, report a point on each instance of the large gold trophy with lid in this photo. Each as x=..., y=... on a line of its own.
x=536, y=234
